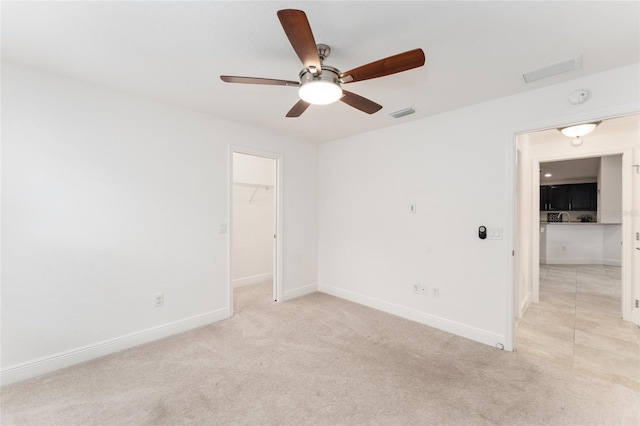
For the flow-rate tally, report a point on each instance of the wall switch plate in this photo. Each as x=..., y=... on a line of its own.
x=158, y=300
x=495, y=233
x=416, y=288
x=412, y=208
x=222, y=228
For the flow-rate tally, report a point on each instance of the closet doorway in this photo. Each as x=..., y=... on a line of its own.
x=254, y=266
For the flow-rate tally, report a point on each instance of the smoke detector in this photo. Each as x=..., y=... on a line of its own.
x=579, y=96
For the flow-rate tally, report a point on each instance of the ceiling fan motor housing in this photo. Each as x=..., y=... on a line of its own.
x=320, y=89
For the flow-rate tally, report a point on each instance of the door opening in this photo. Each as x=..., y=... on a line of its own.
x=586, y=263
x=253, y=235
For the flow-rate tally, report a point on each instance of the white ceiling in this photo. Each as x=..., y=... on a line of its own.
x=585, y=168
x=175, y=51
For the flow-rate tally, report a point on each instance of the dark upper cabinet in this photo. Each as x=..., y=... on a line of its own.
x=554, y=197
x=581, y=196
x=584, y=196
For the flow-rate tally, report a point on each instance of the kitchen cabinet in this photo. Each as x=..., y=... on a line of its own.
x=554, y=198
x=583, y=196
x=580, y=196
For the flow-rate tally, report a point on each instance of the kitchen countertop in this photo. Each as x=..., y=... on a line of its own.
x=577, y=223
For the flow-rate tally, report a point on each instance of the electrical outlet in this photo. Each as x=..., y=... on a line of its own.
x=423, y=289
x=412, y=208
x=435, y=292
x=158, y=300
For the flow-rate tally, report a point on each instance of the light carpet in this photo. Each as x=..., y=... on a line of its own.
x=316, y=360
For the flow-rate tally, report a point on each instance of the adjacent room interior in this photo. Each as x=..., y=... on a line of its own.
x=188, y=235
x=581, y=302
x=254, y=227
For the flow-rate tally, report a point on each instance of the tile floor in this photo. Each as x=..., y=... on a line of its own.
x=577, y=324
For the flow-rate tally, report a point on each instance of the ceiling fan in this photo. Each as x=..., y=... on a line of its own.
x=321, y=84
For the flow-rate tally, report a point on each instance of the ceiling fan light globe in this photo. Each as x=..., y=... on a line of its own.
x=320, y=92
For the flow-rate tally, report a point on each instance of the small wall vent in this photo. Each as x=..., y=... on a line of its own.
x=402, y=112
x=553, y=69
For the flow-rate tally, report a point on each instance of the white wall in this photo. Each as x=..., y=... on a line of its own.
x=612, y=245
x=576, y=244
x=610, y=189
x=458, y=168
x=109, y=199
x=253, y=219
x=253, y=169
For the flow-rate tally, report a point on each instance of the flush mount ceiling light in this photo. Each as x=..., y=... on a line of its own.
x=578, y=131
x=320, y=89
x=547, y=175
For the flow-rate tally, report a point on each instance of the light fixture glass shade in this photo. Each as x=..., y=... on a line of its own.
x=579, y=130
x=320, y=92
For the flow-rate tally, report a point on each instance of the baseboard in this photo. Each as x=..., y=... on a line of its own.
x=51, y=363
x=430, y=320
x=573, y=261
x=254, y=279
x=612, y=262
x=300, y=291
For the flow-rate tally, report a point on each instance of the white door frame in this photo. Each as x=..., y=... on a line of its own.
x=635, y=218
x=553, y=123
x=278, y=226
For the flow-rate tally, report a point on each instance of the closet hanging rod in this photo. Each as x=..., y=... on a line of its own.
x=251, y=185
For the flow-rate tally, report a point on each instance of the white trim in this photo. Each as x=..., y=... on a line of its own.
x=300, y=291
x=60, y=360
x=534, y=279
x=579, y=261
x=511, y=157
x=463, y=330
x=254, y=279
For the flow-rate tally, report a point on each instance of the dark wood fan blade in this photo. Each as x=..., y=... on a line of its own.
x=391, y=65
x=258, y=80
x=297, y=110
x=297, y=28
x=358, y=102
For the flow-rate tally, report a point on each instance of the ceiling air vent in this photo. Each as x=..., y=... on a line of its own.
x=402, y=112
x=553, y=69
